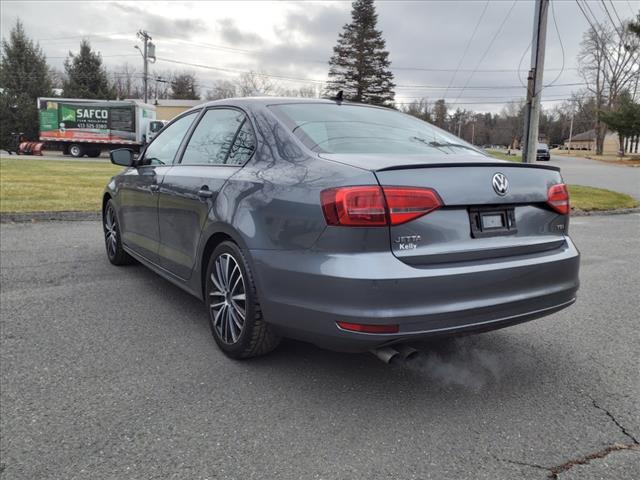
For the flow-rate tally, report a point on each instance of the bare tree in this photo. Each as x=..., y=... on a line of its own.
x=222, y=89
x=255, y=83
x=419, y=108
x=608, y=63
x=160, y=83
x=304, y=92
x=126, y=81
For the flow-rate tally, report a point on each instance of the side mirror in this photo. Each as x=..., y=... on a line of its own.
x=122, y=157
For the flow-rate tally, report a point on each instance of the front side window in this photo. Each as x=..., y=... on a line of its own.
x=164, y=147
x=335, y=128
x=212, y=142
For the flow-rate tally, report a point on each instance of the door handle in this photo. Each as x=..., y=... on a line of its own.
x=204, y=192
x=154, y=187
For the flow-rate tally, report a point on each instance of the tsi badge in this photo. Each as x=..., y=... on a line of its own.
x=407, y=242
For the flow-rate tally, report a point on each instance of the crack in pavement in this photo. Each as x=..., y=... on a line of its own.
x=555, y=471
x=618, y=424
x=522, y=464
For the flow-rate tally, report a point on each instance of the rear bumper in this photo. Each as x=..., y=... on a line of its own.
x=304, y=293
x=543, y=156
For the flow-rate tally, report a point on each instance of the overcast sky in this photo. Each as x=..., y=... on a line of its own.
x=426, y=40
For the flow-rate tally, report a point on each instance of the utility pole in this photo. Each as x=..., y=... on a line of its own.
x=473, y=132
x=534, y=82
x=570, y=132
x=148, y=52
x=159, y=80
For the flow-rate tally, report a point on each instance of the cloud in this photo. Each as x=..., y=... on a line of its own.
x=234, y=36
x=296, y=39
x=162, y=25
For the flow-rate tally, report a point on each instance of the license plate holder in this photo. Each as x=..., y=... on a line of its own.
x=492, y=222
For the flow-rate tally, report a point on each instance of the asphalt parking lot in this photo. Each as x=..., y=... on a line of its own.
x=111, y=373
x=583, y=171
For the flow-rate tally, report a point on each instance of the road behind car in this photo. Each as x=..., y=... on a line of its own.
x=112, y=373
x=583, y=171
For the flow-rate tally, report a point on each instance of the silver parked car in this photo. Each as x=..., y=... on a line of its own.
x=349, y=226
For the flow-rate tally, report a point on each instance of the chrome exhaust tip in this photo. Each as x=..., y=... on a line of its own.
x=407, y=353
x=386, y=354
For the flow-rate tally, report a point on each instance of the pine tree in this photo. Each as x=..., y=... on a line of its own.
x=624, y=118
x=24, y=76
x=86, y=77
x=183, y=87
x=360, y=64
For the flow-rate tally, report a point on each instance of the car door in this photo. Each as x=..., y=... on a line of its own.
x=138, y=204
x=220, y=144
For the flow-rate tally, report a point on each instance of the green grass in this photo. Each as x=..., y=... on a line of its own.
x=593, y=199
x=502, y=155
x=43, y=185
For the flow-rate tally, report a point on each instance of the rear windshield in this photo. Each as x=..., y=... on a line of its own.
x=335, y=128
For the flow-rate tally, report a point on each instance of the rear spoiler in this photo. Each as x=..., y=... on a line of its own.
x=469, y=164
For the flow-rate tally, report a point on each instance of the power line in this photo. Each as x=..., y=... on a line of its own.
x=557, y=95
x=404, y=68
x=613, y=23
x=520, y=100
x=615, y=11
x=484, y=87
x=319, y=81
x=81, y=36
x=466, y=49
x=103, y=56
x=553, y=15
x=504, y=20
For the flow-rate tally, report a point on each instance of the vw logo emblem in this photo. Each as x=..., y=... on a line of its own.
x=500, y=184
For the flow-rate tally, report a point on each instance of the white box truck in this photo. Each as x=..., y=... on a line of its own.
x=86, y=127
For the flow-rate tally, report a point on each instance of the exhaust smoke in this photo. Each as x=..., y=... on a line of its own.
x=462, y=364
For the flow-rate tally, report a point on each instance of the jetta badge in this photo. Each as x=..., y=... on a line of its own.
x=500, y=184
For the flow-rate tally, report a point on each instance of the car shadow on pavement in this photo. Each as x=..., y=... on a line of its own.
x=471, y=365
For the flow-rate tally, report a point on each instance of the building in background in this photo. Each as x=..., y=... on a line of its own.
x=587, y=141
x=167, y=109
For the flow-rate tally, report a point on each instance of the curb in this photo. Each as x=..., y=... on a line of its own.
x=34, y=217
x=619, y=211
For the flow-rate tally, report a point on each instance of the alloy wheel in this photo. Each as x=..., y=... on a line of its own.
x=227, y=299
x=111, y=231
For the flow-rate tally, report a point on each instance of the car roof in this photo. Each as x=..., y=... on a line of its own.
x=266, y=101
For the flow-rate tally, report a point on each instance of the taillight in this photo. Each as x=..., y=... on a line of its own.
x=407, y=204
x=365, y=328
x=558, y=198
x=354, y=206
x=374, y=206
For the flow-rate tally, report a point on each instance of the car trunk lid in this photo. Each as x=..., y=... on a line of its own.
x=476, y=221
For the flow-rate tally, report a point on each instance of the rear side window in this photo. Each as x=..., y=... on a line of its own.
x=223, y=137
x=243, y=146
x=164, y=147
x=335, y=128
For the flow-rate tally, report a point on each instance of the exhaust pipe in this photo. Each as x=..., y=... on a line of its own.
x=407, y=353
x=386, y=354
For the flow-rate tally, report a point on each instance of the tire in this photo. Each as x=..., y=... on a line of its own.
x=94, y=153
x=76, y=150
x=227, y=297
x=112, y=240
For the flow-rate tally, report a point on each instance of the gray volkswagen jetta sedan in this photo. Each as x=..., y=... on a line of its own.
x=349, y=226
